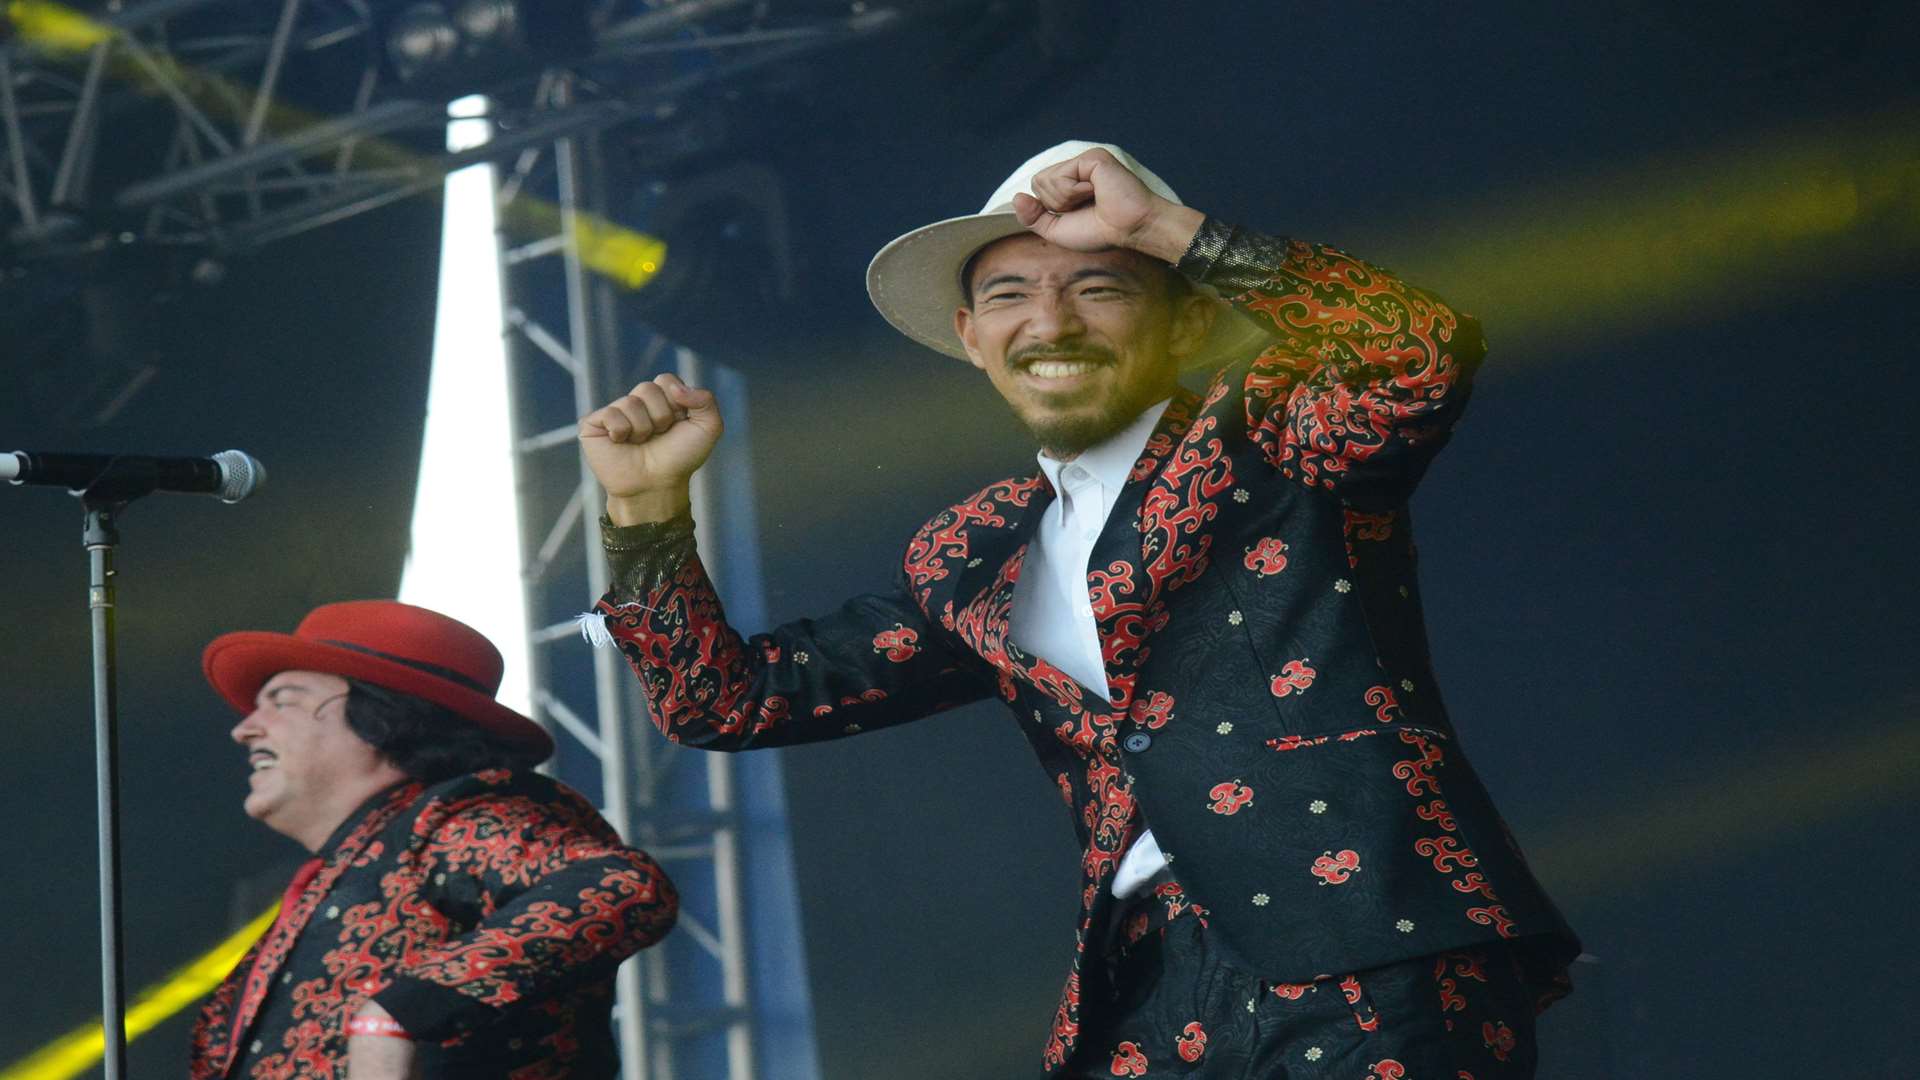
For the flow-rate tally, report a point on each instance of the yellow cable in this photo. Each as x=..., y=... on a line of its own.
x=79, y=1049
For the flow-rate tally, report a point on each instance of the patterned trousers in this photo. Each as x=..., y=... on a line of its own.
x=1178, y=1010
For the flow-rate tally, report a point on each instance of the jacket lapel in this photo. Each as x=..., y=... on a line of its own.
x=1121, y=587
x=1119, y=581
x=257, y=970
x=1000, y=522
x=997, y=539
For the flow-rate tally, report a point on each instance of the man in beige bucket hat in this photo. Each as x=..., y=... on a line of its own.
x=1200, y=607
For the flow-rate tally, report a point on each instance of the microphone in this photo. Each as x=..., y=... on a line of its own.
x=229, y=474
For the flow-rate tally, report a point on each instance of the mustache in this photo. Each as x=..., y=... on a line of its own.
x=1032, y=353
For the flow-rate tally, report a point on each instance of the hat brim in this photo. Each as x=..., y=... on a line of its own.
x=915, y=283
x=237, y=665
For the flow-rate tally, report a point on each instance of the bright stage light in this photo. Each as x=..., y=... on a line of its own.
x=421, y=38
x=52, y=27
x=465, y=559
x=465, y=46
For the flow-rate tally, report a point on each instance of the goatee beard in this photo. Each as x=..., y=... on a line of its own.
x=1066, y=437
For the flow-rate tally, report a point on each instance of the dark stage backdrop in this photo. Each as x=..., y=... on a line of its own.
x=1666, y=557
x=312, y=356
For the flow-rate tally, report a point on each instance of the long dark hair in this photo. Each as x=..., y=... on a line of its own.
x=426, y=741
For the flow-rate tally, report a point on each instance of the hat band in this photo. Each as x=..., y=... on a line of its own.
x=422, y=666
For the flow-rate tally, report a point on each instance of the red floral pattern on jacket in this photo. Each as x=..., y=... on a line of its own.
x=487, y=913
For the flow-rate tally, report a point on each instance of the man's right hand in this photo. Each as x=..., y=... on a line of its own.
x=644, y=447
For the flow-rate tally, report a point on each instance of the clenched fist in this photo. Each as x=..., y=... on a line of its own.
x=645, y=447
x=1090, y=202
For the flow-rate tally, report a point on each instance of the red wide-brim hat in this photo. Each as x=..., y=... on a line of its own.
x=403, y=648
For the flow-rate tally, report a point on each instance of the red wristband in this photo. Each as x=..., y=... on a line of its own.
x=376, y=1025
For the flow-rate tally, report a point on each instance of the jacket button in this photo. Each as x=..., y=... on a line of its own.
x=1138, y=742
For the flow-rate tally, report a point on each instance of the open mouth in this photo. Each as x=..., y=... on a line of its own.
x=261, y=760
x=1060, y=368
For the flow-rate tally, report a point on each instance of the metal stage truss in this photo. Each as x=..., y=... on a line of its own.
x=689, y=1007
x=225, y=125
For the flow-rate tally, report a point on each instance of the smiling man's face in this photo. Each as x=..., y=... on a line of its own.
x=1078, y=343
x=308, y=768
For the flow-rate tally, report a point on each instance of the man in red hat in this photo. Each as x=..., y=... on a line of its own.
x=1202, y=610
x=462, y=915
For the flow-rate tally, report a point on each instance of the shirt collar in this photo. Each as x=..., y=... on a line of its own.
x=1111, y=460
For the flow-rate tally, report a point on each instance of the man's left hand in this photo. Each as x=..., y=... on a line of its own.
x=1092, y=202
x=381, y=1057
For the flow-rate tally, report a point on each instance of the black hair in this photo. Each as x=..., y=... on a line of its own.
x=426, y=741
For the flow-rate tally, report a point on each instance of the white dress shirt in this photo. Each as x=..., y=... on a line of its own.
x=1052, y=609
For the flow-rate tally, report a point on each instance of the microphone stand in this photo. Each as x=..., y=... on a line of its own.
x=102, y=502
x=120, y=482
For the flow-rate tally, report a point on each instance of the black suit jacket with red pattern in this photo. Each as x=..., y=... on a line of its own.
x=1273, y=715
x=487, y=913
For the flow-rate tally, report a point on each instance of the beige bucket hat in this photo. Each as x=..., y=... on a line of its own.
x=915, y=279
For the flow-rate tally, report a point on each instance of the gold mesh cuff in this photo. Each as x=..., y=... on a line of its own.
x=1210, y=242
x=640, y=558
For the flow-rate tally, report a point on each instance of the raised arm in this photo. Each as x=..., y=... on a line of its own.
x=875, y=662
x=1367, y=374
